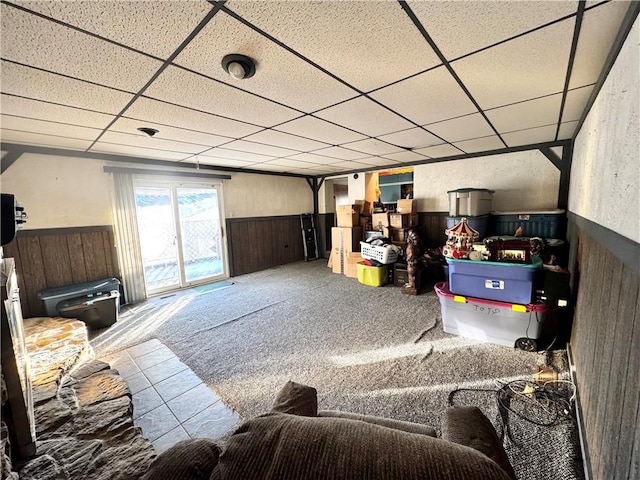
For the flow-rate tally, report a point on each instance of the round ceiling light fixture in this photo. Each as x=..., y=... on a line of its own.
x=239, y=66
x=148, y=130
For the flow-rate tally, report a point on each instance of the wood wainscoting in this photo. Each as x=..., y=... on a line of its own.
x=605, y=345
x=433, y=226
x=48, y=258
x=263, y=242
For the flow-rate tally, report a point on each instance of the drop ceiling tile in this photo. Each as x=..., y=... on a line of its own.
x=280, y=75
x=373, y=146
x=528, y=67
x=260, y=148
x=439, y=151
x=285, y=140
x=195, y=91
x=427, y=98
x=458, y=28
x=405, y=156
x=288, y=162
x=364, y=116
x=341, y=153
x=411, y=138
x=567, y=129
x=49, y=128
x=35, y=109
x=32, y=40
x=39, y=85
x=575, y=103
x=349, y=165
x=312, y=158
x=127, y=125
x=156, y=28
x=599, y=28
x=462, y=128
x=269, y=167
x=221, y=162
x=236, y=155
x=530, y=136
x=480, y=144
x=160, y=113
x=28, y=138
x=128, y=150
x=519, y=116
x=321, y=130
x=319, y=29
x=378, y=162
x=140, y=140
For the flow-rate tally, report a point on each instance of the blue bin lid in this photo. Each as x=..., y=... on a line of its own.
x=536, y=262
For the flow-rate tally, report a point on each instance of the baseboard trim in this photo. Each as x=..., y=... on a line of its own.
x=584, y=450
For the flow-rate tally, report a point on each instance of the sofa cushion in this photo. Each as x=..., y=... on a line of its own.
x=469, y=426
x=296, y=399
x=193, y=459
x=409, y=427
x=289, y=447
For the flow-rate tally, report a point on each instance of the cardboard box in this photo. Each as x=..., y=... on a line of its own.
x=351, y=264
x=379, y=220
x=344, y=241
x=406, y=206
x=347, y=216
x=403, y=220
x=363, y=207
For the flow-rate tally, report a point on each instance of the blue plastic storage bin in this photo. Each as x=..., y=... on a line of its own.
x=503, y=282
x=542, y=224
x=481, y=223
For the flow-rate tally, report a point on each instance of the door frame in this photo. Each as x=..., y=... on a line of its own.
x=173, y=183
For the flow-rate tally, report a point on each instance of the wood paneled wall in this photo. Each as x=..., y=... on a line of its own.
x=263, y=242
x=605, y=344
x=433, y=225
x=50, y=258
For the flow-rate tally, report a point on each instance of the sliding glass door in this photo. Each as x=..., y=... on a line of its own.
x=181, y=234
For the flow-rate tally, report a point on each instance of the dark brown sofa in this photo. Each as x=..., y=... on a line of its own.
x=295, y=441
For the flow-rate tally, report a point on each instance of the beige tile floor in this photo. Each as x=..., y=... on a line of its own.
x=170, y=402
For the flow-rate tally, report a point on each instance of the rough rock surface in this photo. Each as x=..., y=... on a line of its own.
x=83, y=409
x=44, y=467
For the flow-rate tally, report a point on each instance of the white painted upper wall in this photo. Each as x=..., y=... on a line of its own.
x=250, y=195
x=59, y=192
x=523, y=181
x=605, y=173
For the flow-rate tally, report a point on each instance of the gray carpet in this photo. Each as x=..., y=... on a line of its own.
x=366, y=350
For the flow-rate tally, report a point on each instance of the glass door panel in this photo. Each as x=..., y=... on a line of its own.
x=200, y=233
x=156, y=227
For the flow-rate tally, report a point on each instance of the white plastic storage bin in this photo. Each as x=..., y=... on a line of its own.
x=507, y=324
x=383, y=254
x=470, y=202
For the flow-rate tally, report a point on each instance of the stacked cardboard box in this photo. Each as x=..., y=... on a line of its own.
x=345, y=250
x=345, y=238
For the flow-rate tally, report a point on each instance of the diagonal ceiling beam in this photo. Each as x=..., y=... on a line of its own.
x=552, y=156
x=9, y=159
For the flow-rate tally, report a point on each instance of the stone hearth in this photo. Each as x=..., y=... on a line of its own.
x=82, y=409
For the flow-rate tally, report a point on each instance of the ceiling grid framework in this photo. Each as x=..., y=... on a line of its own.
x=339, y=86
